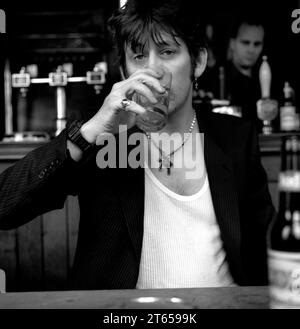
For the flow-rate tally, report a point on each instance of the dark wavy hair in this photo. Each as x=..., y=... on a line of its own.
x=138, y=19
x=249, y=18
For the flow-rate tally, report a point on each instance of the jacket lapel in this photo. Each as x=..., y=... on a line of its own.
x=131, y=191
x=225, y=198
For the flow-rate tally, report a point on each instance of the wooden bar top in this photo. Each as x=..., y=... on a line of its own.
x=192, y=298
x=17, y=150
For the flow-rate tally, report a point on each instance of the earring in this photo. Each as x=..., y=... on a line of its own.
x=196, y=84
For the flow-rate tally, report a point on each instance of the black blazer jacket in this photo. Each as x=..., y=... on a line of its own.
x=112, y=204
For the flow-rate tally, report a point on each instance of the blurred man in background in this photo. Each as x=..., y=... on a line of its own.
x=240, y=69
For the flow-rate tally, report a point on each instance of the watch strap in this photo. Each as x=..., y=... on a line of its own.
x=74, y=135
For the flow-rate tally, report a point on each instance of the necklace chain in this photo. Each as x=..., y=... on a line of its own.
x=165, y=159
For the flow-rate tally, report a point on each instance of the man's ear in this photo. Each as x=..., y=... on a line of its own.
x=200, y=63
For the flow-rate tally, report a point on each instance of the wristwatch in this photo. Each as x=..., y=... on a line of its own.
x=74, y=135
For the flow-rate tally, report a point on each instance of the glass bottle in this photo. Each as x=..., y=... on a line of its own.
x=284, y=231
x=289, y=120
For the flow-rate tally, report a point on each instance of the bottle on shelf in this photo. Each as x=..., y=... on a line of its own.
x=283, y=237
x=289, y=118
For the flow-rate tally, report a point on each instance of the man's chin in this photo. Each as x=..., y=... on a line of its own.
x=248, y=64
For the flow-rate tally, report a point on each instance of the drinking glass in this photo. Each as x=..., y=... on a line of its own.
x=156, y=115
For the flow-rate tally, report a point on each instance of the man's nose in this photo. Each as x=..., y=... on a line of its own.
x=154, y=63
x=251, y=49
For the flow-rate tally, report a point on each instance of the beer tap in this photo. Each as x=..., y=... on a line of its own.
x=26, y=77
x=59, y=80
x=267, y=108
x=96, y=78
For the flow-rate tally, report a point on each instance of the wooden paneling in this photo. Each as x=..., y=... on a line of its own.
x=8, y=249
x=38, y=255
x=55, y=248
x=30, y=256
x=8, y=258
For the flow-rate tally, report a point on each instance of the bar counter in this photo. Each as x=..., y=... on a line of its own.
x=191, y=298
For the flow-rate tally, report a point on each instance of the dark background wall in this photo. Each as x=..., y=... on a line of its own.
x=50, y=34
x=81, y=37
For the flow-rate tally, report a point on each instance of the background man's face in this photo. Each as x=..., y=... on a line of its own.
x=247, y=46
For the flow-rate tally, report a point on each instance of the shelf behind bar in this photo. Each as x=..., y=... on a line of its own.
x=271, y=144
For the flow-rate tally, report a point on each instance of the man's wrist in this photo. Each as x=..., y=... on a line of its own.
x=88, y=133
x=74, y=151
x=75, y=136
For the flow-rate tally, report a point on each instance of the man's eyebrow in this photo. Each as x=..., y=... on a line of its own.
x=133, y=48
x=139, y=47
x=170, y=43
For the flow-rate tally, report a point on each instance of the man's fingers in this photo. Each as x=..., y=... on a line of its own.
x=141, y=89
x=127, y=105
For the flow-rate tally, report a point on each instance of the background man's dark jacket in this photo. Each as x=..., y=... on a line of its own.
x=112, y=204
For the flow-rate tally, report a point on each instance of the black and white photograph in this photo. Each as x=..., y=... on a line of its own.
x=150, y=158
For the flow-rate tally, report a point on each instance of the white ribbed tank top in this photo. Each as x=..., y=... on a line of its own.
x=181, y=245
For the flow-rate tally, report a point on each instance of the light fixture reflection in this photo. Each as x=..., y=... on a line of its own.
x=144, y=300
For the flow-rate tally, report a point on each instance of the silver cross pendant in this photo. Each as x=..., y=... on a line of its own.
x=165, y=162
